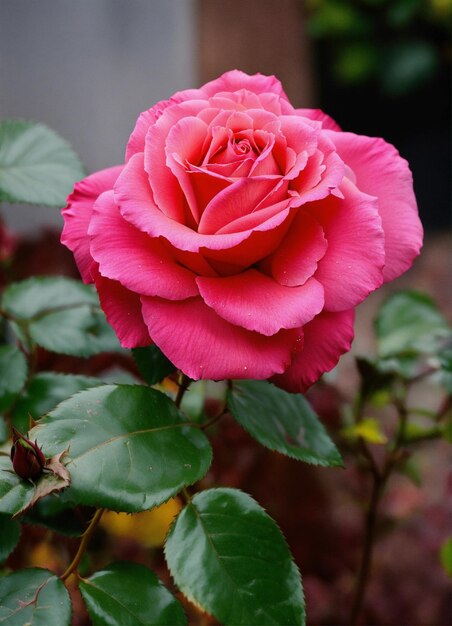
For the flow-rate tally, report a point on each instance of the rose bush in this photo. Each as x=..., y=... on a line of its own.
x=241, y=232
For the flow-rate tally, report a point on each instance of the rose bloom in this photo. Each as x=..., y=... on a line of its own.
x=241, y=232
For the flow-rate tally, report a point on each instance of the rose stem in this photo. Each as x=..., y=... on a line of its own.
x=83, y=544
x=184, y=382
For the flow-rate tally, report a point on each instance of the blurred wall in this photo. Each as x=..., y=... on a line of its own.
x=87, y=68
x=265, y=36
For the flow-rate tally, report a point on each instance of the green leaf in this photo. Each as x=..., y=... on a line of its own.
x=35, y=297
x=445, y=361
x=34, y=597
x=409, y=322
x=373, y=379
x=230, y=558
x=407, y=64
x=412, y=471
x=4, y=430
x=129, y=447
x=282, y=421
x=15, y=493
x=335, y=19
x=55, y=513
x=9, y=537
x=152, y=364
x=128, y=594
x=37, y=166
x=446, y=556
x=61, y=315
x=44, y=392
x=401, y=12
x=356, y=62
x=13, y=374
x=79, y=332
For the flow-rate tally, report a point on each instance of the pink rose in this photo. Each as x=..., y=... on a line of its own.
x=240, y=233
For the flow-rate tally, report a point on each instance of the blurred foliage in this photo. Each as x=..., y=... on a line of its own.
x=400, y=44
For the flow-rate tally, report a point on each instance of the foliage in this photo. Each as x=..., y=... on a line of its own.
x=414, y=34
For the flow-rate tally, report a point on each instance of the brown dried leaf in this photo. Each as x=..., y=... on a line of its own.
x=56, y=466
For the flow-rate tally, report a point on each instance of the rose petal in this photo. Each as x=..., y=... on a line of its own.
x=136, y=204
x=326, y=338
x=168, y=195
x=148, y=118
x=236, y=80
x=319, y=115
x=323, y=173
x=136, y=260
x=381, y=172
x=183, y=146
x=297, y=257
x=77, y=215
x=237, y=200
x=203, y=345
x=353, y=262
x=123, y=311
x=144, y=122
x=256, y=302
x=300, y=136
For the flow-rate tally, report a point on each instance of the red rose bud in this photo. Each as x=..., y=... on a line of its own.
x=27, y=458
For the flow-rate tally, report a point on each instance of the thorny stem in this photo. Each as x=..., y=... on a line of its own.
x=83, y=544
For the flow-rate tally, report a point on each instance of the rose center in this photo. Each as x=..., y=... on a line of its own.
x=242, y=146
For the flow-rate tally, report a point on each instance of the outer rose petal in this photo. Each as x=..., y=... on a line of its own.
x=77, y=215
x=137, y=261
x=320, y=116
x=123, y=311
x=326, y=338
x=203, y=345
x=235, y=80
x=353, y=262
x=149, y=117
x=256, y=302
x=380, y=171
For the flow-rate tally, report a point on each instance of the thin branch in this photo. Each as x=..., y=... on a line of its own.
x=215, y=418
x=83, y=544
x=369, y=540
x=184, y=383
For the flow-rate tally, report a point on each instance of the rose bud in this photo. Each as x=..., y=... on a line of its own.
x=27, y=458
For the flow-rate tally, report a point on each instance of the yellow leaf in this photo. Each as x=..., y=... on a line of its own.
x=148, y=528
x=368, y=429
